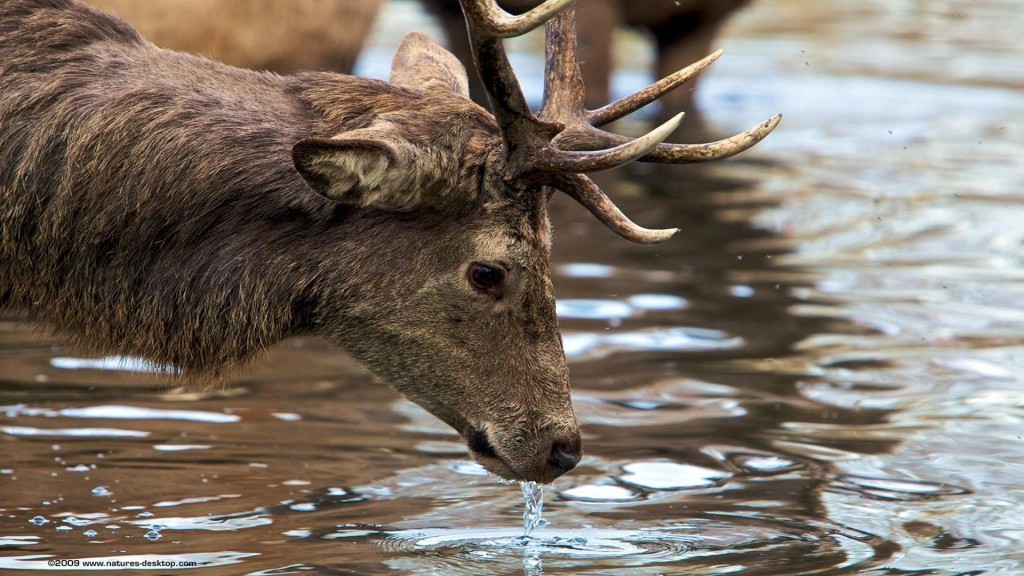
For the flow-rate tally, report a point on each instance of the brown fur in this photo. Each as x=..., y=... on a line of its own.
x=161, y=204
x=280, y=35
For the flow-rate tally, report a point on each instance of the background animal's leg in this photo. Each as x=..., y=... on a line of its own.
x=596, y=25
x=681, y=40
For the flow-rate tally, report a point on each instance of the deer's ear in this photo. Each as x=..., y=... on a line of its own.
x=359, y=170
x=421, y=64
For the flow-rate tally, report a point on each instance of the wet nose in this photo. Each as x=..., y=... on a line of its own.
x=564, y=456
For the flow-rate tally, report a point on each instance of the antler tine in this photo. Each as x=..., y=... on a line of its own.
x=555, y=160
x=583, y=137
x=695, y=153
x=490, y=21
x=634, y=102
x=585, y=191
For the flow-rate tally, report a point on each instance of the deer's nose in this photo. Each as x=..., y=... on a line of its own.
x=564, y=456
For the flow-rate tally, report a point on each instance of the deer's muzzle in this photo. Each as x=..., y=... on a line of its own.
x=543, y=458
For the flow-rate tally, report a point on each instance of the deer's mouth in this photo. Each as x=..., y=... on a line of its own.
x=484, y=452
x=555, y=457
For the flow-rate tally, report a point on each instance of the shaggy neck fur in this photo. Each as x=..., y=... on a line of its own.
x=148, y=202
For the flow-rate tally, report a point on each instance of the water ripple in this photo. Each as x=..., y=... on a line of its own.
x=889, y=489
x=669, y=476
x=73, y=432
x=136, y=413
x=724, y=547
x=592, y=346
x=228, y=523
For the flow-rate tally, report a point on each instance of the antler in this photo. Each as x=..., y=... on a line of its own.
x=562, y=140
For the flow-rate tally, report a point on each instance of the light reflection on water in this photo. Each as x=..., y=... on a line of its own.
x=822, y=375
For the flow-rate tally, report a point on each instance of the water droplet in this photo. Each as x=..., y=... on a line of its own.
x=77, y=521
x=153, y=536
x=142, y=514
x=101, y=491
x=91, y=533
x=39, y=521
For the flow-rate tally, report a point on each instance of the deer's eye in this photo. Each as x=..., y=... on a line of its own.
x=487, y=278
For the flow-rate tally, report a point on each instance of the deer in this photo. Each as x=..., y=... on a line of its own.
x=168, y=206
x=681, y=32
x=256, y=33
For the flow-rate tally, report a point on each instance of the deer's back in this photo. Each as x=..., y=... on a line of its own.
x=127, y=171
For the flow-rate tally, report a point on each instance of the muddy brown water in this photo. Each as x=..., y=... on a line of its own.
x=821, y=375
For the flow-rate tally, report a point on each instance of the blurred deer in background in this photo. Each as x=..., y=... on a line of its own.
x=165, y=205
x=682, y=32
x=280, y=35
x=329, y=34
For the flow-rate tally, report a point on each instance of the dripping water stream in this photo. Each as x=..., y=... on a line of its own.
x=533, y=494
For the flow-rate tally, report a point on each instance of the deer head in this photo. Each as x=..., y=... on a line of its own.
x=459, y=313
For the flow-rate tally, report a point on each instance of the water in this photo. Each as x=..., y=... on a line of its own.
x=821, y=375
x=533, y=498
